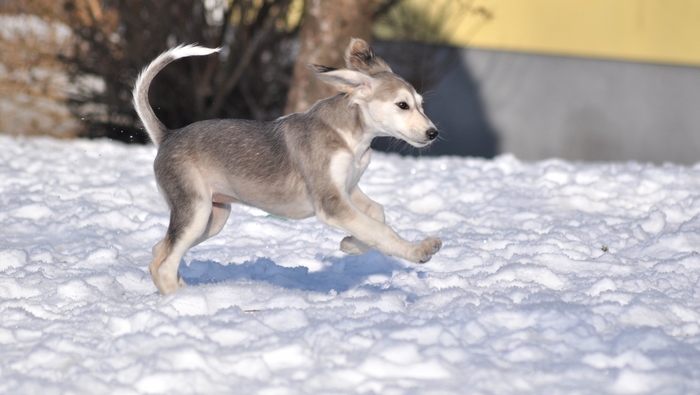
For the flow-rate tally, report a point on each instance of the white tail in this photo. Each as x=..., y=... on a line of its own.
x=155, y=128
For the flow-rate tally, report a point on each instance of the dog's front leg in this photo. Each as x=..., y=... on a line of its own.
x=352, y=245
x=341, y=214
x=367, y=205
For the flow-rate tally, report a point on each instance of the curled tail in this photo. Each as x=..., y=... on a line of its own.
x=155, y=128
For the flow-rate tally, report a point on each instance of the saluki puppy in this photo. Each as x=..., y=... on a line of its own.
x=297, y=166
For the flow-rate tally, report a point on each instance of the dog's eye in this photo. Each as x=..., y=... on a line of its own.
x=402, y=105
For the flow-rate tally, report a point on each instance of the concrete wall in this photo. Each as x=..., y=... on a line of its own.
x=540, y=106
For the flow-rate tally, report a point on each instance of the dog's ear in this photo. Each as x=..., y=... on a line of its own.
x=345, y=80
x=361, y=56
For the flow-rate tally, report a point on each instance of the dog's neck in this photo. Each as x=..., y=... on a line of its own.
x=346, y=119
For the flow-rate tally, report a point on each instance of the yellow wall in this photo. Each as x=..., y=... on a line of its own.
x=666, y=31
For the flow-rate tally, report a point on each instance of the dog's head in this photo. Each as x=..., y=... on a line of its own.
x=390, y=105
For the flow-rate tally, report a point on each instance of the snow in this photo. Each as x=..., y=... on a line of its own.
x=555, y=277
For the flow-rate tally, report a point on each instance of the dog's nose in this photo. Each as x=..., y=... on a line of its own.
x=432, y=133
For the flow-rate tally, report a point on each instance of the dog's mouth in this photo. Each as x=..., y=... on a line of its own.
x=416, y=143
x=419, y=144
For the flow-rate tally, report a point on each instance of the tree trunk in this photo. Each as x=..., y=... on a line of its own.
x=327, y=28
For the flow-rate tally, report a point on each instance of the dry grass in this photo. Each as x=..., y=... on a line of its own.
x=34, y=84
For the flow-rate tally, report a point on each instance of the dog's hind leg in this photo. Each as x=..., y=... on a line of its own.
x=188, y=223
x=217, y=220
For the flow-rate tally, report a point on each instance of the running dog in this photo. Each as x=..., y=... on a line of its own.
x=297, y=166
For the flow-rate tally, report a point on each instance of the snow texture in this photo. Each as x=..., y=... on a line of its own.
x=554, y=278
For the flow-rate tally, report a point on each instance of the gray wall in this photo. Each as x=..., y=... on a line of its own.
x=538, y=106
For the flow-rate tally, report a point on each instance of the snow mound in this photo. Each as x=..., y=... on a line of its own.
x=555, y=277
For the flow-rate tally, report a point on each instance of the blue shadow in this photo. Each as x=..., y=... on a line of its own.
x=340, y=274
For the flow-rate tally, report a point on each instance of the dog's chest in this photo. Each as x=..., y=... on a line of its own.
x=346, y=169
x=358, y=166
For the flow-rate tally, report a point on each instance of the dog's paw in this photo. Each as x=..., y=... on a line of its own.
x=352, y=246
x=427, y=248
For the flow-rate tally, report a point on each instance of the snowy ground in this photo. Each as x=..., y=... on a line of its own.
x=554, y=278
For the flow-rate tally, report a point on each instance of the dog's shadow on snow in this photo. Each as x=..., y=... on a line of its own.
x=338, y=274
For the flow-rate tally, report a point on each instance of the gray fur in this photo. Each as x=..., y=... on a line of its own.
x=297, y=166
x=361, y=56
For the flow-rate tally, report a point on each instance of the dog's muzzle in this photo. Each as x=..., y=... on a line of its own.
x=432, y=133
